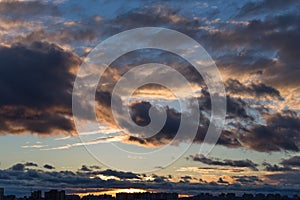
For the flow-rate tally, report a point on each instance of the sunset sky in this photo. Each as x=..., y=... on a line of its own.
x=255, y=45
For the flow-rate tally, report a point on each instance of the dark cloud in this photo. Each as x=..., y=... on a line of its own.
x=159, y=179
x=140, y=115
x=36, y=65
x=85, y=168
x=258, y=90
x=18, y=167
x=186, y=178
x=120, y=174
x=291, y=162
x=74, y=182
x=247, y=179
x=47, y=166
x=273, y=53
x=31, y=164
x=37, y=99
x=36, y=85
x=261, y=40
x=242, y=124
x=232, y=163
x=288, y=178
x=236, y=108
x=22, y=166
x=243, y=63
x=229, y=139
x=281, y=132
x=275, y=168
x=94, y=167
x=222, y=181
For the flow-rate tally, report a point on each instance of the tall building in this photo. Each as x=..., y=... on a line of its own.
x=36, y=195
x=55, y=195
x=1, y=193
x=62, y=195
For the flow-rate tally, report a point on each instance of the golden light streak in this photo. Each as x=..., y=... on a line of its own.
x=113, y=192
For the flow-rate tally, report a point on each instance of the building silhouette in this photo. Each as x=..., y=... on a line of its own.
x=1, y=193
x=72, y=197
x=60, y=195
x=10, y=197
x=36, y=195
x=55, y=195
x=98, y=197
x=146, y=196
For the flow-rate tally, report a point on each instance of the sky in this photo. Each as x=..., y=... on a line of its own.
x=254, y=45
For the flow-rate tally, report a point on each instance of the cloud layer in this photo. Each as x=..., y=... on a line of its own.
x=96, y=180
x=255, y=45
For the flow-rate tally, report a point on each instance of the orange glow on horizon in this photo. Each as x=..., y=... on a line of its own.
x=112, y=192
x=184, y=195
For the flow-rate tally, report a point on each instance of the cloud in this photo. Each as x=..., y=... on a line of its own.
x=236, y=108
x=152, y=15
x=119, y=174
x=273, y=54
x=24, y=9
x=65, y=36
x=85, y=168
x=281, y=132
x=31, y=164
x=270, y=61
x=258, y=90
x=23, y=166
x=254, y=8
x=47, y=166
x=288, y=166
x=162, y=179
x=186, y=178
x=94, y=167
x=25, y=108
x=89, y=182
x=36, y=86
x=276, y=135
x=247, y=179
x=275, y=168
x=231, y=163
x=222, y=181
x=288, y=178
x=98, y=140
x=255, y=47
x=18, y=167
x=292, y=162
x=139, y=111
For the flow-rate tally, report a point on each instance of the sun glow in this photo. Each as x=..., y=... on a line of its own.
x=113, y=192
